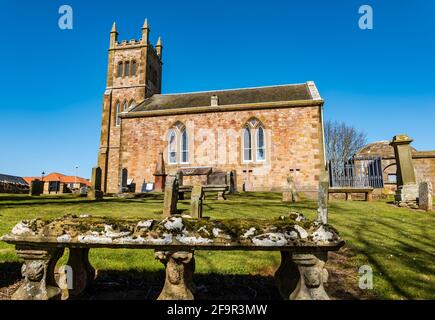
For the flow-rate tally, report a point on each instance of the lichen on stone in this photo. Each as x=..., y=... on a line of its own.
x=270, y=239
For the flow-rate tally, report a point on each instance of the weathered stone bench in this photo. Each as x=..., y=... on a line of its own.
x=220, y=189
x=303, y=244
x=348, y=191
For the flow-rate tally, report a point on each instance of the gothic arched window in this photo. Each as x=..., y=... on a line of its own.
x=118, y=111
x=125, y=106
x=184, y=147
x=120, y=69
x=247, y=145
x=133, y=68
x=254, y=139
x=172, y=147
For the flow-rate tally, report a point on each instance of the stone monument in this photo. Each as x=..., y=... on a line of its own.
x=196, y=201
x=289, y=194
x=36, y=187
x=323, y=197
x=160, y=174
x=95, y=192
x=425, y=195
x=407, y=188
x=171, y=197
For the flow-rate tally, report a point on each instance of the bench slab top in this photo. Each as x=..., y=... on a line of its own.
x=286, y=233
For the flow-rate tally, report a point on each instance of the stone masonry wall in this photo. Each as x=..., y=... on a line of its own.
x=293, y=141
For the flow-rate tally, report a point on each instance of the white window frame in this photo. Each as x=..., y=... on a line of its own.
x=244, y=146
x=170, y=133
x=182, y=151
x=257, y=148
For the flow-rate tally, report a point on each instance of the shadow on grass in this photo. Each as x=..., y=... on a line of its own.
x=10, y=273
x=113, y=285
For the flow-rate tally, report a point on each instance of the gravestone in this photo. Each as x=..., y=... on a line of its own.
x=289, y=194
x=36, y=187
x=95, y=192
x=124, y=179
x=196, y=201
x=407, y=188
x=425, y=196
x=323, y=198
x=160, y=174
x=231, y=182
x=171, y=197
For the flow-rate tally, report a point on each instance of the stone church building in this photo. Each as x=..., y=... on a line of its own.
x=262, y=134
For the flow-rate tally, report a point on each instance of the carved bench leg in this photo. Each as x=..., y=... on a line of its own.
x=38, y=273
x=312, y=277
x=180, y=267
x=82, y=273
x=287, y=275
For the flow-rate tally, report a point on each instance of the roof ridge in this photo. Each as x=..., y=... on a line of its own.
x=234, y=89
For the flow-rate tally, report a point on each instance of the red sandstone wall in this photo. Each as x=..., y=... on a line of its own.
x=293, y=142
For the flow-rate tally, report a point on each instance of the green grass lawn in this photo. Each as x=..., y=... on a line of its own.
x=398, y=243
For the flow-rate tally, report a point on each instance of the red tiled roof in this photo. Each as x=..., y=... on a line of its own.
x=54, y=176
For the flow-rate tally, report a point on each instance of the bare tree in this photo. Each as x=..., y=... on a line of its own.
x=342, y=141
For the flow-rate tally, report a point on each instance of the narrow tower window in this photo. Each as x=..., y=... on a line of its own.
x=126, y=68
x=120, y=69
x=118, y=111
x=125, y=106
x=133, y=68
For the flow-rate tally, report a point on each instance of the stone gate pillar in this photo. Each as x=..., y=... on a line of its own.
x=407, y=188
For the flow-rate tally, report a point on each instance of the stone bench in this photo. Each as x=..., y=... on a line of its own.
x=304, y=246
x=220, y=189
x=348, y=191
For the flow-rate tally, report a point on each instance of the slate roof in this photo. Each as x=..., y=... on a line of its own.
x=12, y=179
x=291, y=92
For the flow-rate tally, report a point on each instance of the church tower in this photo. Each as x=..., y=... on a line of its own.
x=134, y=73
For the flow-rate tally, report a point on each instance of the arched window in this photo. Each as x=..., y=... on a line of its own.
x=125, y=106
x=132, y=104
x=120, y=69
x=133, y=68
x=172, y=147
x=261, y=146
x=126, y=68
x=118, y=111
x=184, y=147
x=247, y=145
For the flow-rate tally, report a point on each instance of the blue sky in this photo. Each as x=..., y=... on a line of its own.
x=381, y=81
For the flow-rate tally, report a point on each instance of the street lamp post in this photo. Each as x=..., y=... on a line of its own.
x=75, y=178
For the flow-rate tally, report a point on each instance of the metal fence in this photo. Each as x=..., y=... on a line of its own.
x=357, y=172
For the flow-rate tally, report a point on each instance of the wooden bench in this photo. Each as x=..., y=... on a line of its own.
x=304, y=246
x=220, y=189
x=349, y=190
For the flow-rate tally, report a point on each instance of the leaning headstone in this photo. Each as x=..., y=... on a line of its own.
x=196, y=201
x=289, y=194
x=407, y=188
x=323, y=198
x=171, y=197
x=425, y=196
x=95, y=192
x=36, y=187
